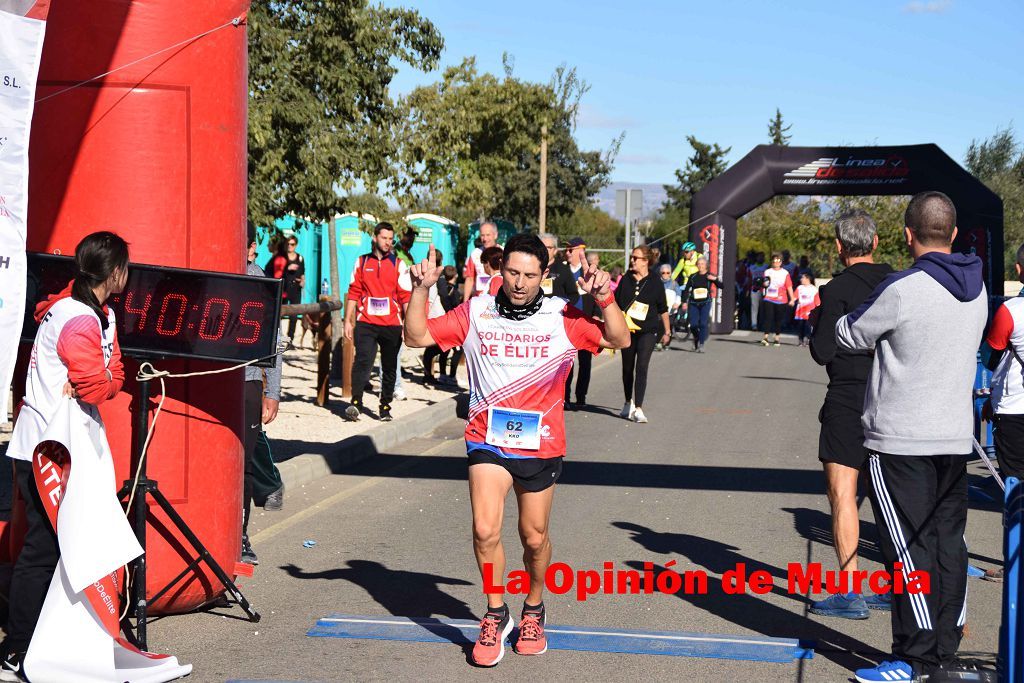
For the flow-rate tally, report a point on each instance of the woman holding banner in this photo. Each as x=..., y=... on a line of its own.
x=75, y=354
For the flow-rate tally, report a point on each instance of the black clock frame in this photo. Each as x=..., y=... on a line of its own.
x=41, y=269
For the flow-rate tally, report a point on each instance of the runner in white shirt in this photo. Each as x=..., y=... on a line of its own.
x=519, y=346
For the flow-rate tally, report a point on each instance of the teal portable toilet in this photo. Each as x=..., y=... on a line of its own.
x=308, y=235
x=505, y=230
x=352, y=242
x=442, y=232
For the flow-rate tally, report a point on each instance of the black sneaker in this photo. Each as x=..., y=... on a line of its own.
x=385, y=412
x=353, y=410
x=248, y=554
x=275, y=501
x=12, y=668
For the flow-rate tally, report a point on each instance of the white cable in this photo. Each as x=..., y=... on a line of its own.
x=234, y=22
x=988, y=463
x=146, y=375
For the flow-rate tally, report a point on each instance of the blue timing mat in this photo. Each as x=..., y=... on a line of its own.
x=462, y=632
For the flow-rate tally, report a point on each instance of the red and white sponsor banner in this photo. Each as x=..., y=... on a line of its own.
x=21, y=44
x=78, y=637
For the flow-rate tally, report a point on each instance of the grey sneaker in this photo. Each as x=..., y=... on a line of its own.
x=275, y=501
x=352, y=412
x=849, y=606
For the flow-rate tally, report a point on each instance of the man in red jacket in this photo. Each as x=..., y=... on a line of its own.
x=374, y=310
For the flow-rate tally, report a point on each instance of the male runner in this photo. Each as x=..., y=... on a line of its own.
x=519, y=346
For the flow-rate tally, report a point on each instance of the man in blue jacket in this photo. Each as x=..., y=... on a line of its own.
x=924, y=325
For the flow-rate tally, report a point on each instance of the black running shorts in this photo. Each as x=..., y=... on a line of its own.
x=531, y=474
x=841, y=439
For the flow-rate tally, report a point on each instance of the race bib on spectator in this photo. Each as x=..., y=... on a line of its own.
x=700, y=293
x=378, y=306
x=547, y=285
x=520, y=429
x=638, y=311
x=482, y=281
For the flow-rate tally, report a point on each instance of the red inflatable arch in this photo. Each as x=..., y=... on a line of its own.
x=156, y=151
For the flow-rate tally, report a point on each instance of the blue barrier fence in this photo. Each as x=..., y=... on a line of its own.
x=1011, y=654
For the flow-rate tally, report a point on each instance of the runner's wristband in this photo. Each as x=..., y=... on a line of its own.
x=607, y=302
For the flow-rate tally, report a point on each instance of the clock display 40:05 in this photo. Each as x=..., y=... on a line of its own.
x=173, y=312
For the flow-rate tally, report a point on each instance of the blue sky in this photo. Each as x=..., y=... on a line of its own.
x=856, y=72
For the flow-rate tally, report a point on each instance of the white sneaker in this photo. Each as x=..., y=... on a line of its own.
x=638, y=416
x=627, y=410
x=399, y=395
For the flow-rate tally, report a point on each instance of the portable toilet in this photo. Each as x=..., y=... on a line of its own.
x=308, y=235
x=442, y=232
x=352, y=242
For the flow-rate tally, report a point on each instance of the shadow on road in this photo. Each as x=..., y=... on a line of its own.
x=816, y=526
x=784, y=379
x=402, y=593
x=576, y=472
x=754, y=614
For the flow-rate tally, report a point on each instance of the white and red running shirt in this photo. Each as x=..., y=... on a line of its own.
x=1007, y=334
x=517, y=372
x=70, y=346
x=779, y=284
x=806, y=301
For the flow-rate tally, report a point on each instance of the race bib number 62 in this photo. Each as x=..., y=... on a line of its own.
x=520, y=429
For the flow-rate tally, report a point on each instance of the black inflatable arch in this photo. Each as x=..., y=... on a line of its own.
x=770, y=170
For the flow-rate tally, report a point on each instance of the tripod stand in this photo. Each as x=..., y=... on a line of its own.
x=145, y=487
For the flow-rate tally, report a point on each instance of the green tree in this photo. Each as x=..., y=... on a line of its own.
x=777, y=131
x=472, y=142
x=999, y=163
x=320, y=114
x=704, y=165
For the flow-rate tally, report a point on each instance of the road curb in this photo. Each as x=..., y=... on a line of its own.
x=304, y=469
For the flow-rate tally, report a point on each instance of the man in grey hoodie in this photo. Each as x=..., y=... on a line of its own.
x=924, y=325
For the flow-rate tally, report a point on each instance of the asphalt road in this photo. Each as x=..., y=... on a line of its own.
x=725, y=472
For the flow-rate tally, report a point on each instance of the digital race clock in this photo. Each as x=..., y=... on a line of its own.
x=166, y=312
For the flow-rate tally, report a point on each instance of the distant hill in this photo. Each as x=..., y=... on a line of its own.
x=654, y=197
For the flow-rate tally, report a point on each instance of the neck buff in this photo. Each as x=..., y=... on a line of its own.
x=509, y=311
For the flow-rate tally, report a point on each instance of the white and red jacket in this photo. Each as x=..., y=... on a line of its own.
x=806, y=301
x=70, y=346
x=1007, y=334
x=520, y=365
x=379, y=297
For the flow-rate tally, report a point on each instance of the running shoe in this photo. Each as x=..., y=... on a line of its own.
x=879, y=601
x=12, y=667
x=638, y=416
x=765, y=342
x=849, y=606
x=490, y=645
x=627, y=410
x=777, y=342
x=385, y=412
x=275, y=501
x=886, y=671
x=399, y=395
x=532, y=640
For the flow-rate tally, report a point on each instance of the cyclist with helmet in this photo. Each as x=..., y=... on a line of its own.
x=687, y=265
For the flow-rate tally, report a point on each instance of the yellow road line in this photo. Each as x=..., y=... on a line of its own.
x=327, y=503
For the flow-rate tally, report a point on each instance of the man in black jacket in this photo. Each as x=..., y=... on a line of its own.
x=841, y=441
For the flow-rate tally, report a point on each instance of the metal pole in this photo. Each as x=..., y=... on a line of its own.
x=542, y=222
x=629, y=211
x=140, y=606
